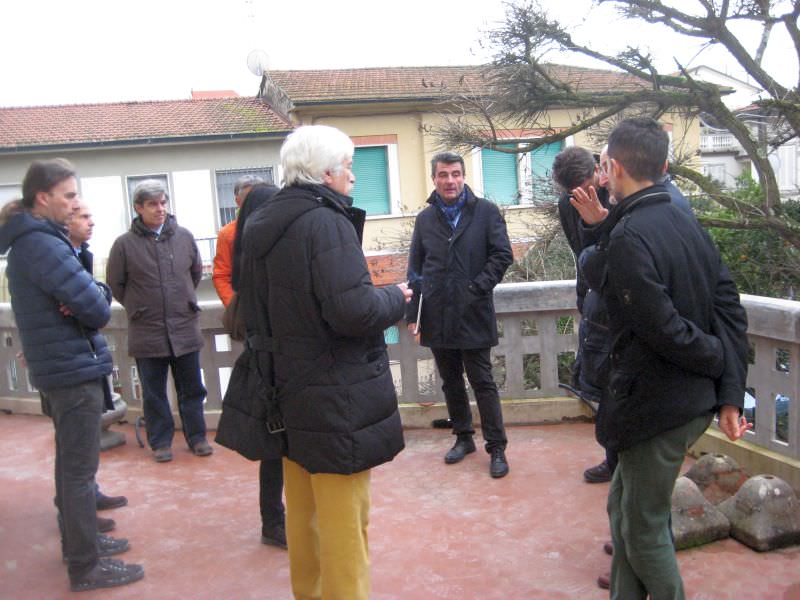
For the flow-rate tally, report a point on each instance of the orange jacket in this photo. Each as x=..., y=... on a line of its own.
x=223, y=263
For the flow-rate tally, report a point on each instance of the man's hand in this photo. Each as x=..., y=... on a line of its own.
x=731, y=424
x=65, y=310
x=588, y=205
x=407, y=291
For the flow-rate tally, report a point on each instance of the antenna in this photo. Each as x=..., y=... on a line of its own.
x=258, y=62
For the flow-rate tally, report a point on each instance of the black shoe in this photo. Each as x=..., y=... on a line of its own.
x=274, y=535
x=105, y=525
x=108, y=502
x=107, y=573
x=460, y=449
x=498, y=466
x=598, y=474
x=442, y=424
x=109, y=546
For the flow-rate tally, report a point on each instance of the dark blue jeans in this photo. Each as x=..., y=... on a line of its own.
x=270, y=479
x=478, y=366
x=76, y=412
x=189, y=389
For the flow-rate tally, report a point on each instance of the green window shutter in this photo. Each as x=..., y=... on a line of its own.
x=371, y=191
x=500, y=184
x=542, y=169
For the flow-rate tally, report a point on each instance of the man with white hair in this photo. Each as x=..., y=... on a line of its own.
x=303, y=267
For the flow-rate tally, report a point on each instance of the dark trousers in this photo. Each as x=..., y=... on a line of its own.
x=76, y=412
x=451, y=365
x=270, y=497
x=189, y=389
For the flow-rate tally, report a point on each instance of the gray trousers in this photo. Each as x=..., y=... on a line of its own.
x=76, y=412
x=639, y=508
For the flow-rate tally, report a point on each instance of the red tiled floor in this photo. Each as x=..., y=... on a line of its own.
x=437, y=531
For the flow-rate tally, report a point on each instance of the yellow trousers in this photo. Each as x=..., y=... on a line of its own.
x=326, y=529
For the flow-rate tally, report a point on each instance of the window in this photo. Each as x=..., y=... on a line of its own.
x=715, y=172
x=512, y=179
x=500, y=176
x=132, y=182
x=226, y=181
x=371, y=169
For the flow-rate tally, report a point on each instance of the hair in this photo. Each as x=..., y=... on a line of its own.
x=43, y=176
x=572, y=167
x=258, y=196
x=447, y=158
x=148, y=189
x=246, y=181
x=641, y=146
x=311, y=151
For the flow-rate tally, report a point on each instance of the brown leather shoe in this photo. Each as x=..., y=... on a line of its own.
x=604, y=581
x=608, y=548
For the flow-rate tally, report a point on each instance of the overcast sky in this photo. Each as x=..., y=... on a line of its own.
x=81, y=51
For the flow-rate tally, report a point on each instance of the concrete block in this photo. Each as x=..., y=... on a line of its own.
x=695, y=521
x=717, y=476
x=764, y=514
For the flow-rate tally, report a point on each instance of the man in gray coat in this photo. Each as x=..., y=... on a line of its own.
x=153, y=271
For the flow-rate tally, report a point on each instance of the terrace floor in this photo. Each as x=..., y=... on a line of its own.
x=436, y=532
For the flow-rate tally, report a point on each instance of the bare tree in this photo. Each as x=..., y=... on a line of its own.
x=524, y=89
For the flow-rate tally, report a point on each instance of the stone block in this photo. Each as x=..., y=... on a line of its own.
x=717, y=476
x=764, y=514
x=695, y=521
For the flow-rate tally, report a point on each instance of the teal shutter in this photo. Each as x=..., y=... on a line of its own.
x=371, y=191
x=500, y=184
x=542, y=170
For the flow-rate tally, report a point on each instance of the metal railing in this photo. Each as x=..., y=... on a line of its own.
x=538, y=324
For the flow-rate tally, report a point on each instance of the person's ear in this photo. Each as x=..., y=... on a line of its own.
x=666, y=167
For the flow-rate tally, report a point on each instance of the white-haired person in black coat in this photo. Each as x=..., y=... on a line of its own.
x=303, y=262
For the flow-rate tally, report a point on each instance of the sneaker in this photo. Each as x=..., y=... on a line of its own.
x=107, y=573
x=108, y=502
x=460, y=449
x=604, y=581
x=598, y=474
x=202, y=448
x=498, y=466
x=274, y=535
x=163, y=454
x=105, y=525
x=109, y=546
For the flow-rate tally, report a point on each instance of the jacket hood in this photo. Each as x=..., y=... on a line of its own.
x=16, y=223
x=139, y=228
x=268, y=224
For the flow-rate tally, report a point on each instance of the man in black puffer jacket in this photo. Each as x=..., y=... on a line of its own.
x=459, y=252
x=678, y=354
x=59, y=310
x=302, y=253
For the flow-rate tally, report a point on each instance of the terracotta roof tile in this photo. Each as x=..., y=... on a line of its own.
x=22, y=127
x=409, y=83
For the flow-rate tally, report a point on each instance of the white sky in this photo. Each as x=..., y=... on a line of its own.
x=81, y=51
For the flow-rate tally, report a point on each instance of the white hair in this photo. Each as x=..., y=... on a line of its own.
x=311, y=151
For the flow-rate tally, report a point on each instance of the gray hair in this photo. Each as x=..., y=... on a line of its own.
x=573, y=166
x=447, y=158
x=246, y=181
x=313, y=150
x=147, y=189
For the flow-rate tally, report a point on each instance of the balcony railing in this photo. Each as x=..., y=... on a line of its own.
x=538, y=322
x=719, y=142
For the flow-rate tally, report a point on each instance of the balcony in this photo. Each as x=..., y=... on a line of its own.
x=719, y=142
x=437, y=531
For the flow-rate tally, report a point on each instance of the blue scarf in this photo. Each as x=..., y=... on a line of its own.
x=451, y=211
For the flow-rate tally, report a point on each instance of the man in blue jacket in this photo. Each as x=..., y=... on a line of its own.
x=678, y=355
x=59, y=310
x=459, y=252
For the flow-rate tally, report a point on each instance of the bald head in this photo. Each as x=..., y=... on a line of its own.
x=80, y=224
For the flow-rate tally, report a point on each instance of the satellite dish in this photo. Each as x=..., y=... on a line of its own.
x=258, y=62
